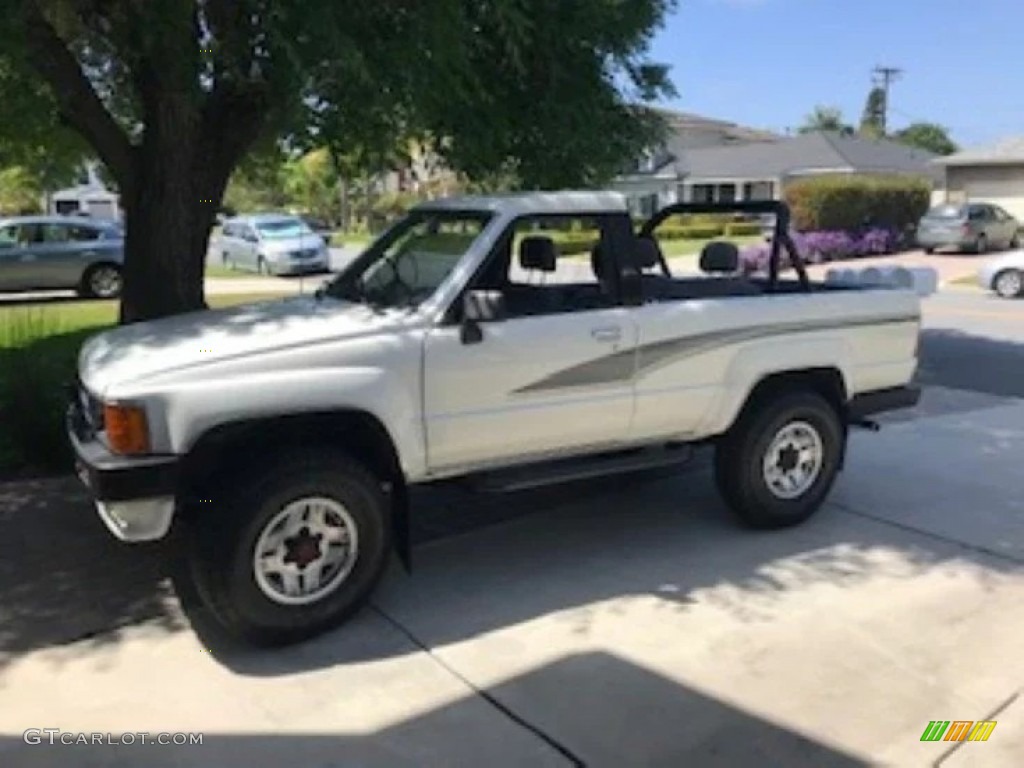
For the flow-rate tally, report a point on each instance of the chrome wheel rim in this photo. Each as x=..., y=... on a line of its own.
x=306, y=551
x=105, y=281
x=1009, y=284
x=793, y=460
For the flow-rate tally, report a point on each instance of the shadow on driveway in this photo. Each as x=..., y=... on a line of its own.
x=679, y=725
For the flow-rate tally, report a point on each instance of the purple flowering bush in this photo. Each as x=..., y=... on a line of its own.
x=822, y=246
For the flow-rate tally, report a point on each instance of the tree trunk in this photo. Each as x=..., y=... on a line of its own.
x=169, y=218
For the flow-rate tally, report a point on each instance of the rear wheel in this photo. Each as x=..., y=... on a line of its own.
x=1009, y=283
x=778, y=462
x=1015, y=241
x=294, y=554
x=102, y=281
x=981, y=245
x=929, y=251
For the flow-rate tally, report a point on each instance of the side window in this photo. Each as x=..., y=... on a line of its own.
x=8, y=236
x=55, y=234
x=977, y=213
x=229, y=230
x=84, y=234
x=554, y=265
x=29, y=234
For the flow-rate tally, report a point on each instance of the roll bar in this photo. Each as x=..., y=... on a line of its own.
x=780, y=237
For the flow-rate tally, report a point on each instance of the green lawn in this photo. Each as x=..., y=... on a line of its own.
x=358, y=239
x=217, y=272
x=970, y=280
x=39, y=346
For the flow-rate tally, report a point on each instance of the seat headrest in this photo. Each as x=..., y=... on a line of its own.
x=538, y=252
x=720, y=256
x=648, y=253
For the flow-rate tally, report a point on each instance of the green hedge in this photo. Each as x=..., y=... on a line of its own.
x=742, y=229
x=848, y=202
x=573, y=243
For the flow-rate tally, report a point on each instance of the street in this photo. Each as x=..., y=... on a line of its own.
x=606, y=624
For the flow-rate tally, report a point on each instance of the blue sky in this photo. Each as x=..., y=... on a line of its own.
x=767, y=63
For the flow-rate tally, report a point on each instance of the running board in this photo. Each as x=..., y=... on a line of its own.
x=568, y=470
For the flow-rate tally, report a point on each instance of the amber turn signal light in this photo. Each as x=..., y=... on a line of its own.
x=127, y=432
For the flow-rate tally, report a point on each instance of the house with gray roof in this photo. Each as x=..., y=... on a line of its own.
x=992, y=174
x=760, y=169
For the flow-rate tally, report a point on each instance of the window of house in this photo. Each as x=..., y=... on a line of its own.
x=703, y=193
x=758, y=190
x=726, y=193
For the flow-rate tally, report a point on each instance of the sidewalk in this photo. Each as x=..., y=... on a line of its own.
x=629, y=623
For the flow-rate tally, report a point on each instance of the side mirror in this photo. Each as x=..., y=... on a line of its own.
x=480, y=307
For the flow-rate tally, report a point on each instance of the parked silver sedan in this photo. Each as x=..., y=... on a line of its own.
x=61, y=252
x=275, y=244
x=976, y=227
x=1004, y=275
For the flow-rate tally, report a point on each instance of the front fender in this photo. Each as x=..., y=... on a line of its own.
x=192, y=411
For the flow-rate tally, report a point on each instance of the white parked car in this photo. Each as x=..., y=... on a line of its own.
x=281, y=438
x=272, y=244
x=1004, y=275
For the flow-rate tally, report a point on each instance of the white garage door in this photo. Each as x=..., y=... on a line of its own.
x=1008, y=193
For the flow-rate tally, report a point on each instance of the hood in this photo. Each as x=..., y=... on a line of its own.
x=133, y=353
x=297, y=243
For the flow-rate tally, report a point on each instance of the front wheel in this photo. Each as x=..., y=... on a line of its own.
x=1009, y=284
x=102, y=281
x=296, y=553
x=777, y=464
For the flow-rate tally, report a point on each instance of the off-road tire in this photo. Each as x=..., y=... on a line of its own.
x=740, y=455
x=226, y=528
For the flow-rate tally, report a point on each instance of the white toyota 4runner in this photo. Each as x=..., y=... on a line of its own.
x=483, y=340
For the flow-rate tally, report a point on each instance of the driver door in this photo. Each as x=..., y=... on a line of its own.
x=549, y=380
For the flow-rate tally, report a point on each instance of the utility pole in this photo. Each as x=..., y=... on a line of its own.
x=883, y=77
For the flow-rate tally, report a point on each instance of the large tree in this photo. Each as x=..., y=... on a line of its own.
x=930, y=137
x=825, y=119
x=172, y=94
x=872, y=120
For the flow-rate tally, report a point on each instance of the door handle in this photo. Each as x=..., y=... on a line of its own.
x=611, y=333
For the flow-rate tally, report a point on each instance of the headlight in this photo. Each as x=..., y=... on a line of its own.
x=126, y=428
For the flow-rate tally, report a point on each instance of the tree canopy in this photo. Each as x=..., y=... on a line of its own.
x=930, y=137
x=171, y=95
x=825, y=118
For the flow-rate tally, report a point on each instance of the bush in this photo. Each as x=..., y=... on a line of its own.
x=818, y=247
x=702, y=231
x=742, y=229
x=847, y=203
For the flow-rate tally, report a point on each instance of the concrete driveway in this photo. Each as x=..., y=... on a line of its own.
x=619, y=623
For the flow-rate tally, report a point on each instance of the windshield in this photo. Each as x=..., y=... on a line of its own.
x=279, y=229
x=946, y=212
x=409, y=262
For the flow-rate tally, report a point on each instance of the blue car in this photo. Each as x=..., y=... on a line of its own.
x=61, y=252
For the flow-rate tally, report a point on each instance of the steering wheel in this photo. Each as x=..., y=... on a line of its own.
x=399, y=288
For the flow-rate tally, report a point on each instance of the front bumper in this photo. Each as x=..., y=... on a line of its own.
x=134, y=495
x=868, y=404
